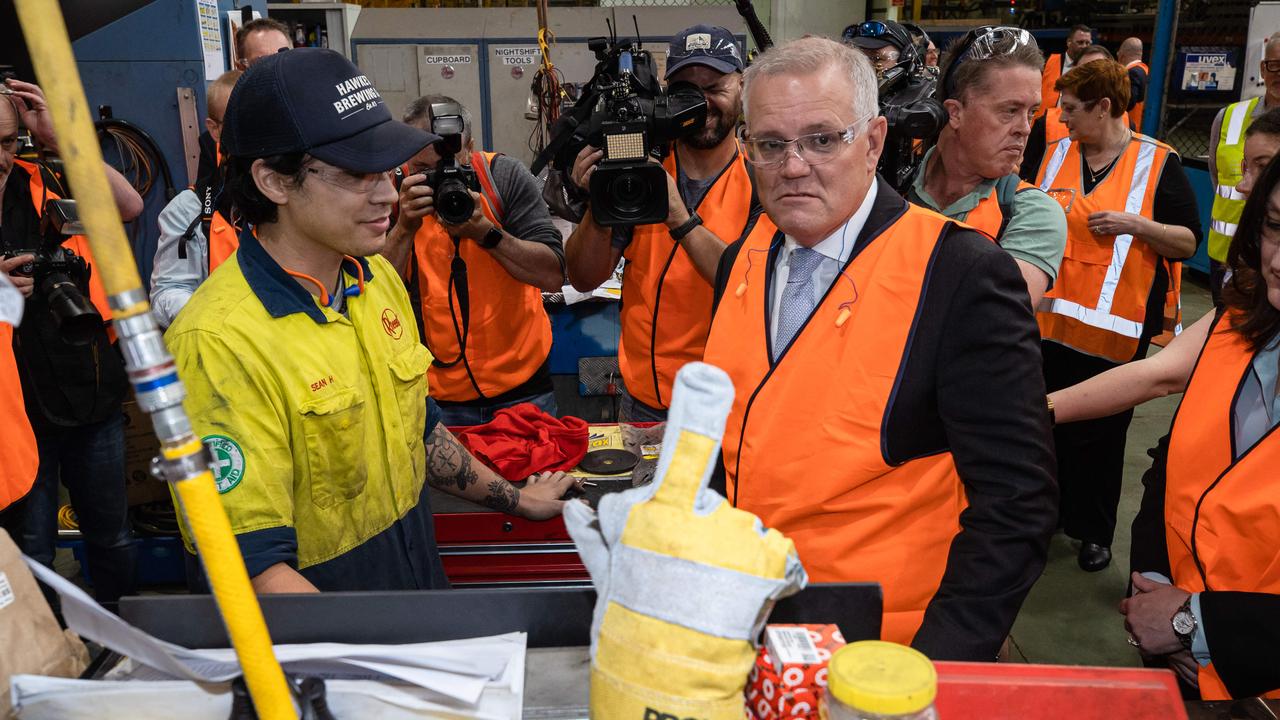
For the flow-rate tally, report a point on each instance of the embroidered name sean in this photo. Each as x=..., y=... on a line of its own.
x=356, y=92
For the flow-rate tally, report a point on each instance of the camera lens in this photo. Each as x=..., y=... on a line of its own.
x=74, y=315
x=454, y=203
x=630, y=193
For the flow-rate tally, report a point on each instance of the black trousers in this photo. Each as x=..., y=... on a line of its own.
x=1090, y=453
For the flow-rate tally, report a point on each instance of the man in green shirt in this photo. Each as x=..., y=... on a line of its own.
x=990, y=85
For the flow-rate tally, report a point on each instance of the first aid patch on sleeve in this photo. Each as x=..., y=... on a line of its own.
x=228, y=461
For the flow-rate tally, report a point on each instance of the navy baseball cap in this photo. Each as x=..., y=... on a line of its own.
x=314, y=100
x=707, y=45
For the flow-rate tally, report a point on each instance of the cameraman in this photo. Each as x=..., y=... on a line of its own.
x=666, y=291
x=484, y=324
x=73, y=392
x=990, y=87
x=195, y=233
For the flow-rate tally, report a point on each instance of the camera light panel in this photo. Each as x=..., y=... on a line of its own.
x=625, y=146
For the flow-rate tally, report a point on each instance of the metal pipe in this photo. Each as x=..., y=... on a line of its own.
x=1161, y=62
x=184, y=462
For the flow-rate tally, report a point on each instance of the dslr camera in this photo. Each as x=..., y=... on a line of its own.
x=61, y=277
x=451, y=182
x=624, y=110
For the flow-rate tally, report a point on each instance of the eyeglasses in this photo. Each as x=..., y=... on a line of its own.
x=1271, y=66
x=363, y=183
x=814, y=148
x=984, y=43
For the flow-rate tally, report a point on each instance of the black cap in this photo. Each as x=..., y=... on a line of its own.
x=875, y=34
x=314, y=100
x=707, y=45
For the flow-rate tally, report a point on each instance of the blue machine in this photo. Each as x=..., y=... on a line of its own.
x=135, y=65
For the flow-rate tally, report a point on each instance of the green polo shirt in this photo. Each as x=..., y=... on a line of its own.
x=316, y=420
x=1037, y=230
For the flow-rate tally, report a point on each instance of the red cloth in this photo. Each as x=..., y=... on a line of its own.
x=523, y=440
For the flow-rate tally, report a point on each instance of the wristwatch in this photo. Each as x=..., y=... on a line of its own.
x=491, y=239
x=686, y=227
x=1185, y=624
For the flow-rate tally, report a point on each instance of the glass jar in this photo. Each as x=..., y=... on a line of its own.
x=874, y=680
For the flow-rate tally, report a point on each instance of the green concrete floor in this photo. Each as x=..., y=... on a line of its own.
x=1070, y=617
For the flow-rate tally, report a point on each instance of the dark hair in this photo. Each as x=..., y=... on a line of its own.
x=1246, y=292
x=1079, y=28
x=248, y=201
x=970, y=73
x=1267, y=124
x=255, y=25
x=1094, y=81
x=1098, y=50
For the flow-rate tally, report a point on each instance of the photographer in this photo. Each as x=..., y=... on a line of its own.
x=195, y=233
x=666, y=291
x=991, y=88
x=483, y=320
x=73, y=386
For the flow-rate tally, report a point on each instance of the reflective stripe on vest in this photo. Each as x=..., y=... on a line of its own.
x=879, y=522
x=1228, y=158
x=666, y=304
x=1098, y=305
x=1220, y=510
x=18, y=456
x=509, y=333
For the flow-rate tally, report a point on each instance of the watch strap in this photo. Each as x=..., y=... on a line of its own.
x=1187, y=639
x=686, y=227
x=491, y=239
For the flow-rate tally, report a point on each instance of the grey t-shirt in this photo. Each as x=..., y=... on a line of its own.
x=525, y=214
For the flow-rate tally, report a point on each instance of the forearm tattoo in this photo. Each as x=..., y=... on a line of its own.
x=448, y=462
x=503, y=496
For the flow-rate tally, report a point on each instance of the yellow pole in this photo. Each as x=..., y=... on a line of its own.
x=151, y=368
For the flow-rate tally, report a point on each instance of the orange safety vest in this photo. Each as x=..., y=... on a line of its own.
x=1052, y=71
x=988, y=217
x=223, y=240
x=508, y=333
x=803, y=443
x=666, y=304
x=19, y=458
x=1220, y=511
x=78, y=244
x=1099, y=302
x=1135, y=115
x=1054, y=128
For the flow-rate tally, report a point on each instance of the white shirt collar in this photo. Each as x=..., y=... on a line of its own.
x=838, y=245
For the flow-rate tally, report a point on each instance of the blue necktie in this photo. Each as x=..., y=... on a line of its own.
x=797, y=297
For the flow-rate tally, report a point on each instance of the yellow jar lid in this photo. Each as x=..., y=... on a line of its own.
x=882, y=677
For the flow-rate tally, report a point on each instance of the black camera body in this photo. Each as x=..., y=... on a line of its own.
x=451, y=182
x=908, y=101
x=61, y=277
x=625, y=111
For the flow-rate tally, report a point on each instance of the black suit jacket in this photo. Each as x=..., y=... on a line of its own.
x=1242, y=628
x=972, y=385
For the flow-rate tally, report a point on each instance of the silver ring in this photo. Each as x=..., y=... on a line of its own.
x=1133, y=642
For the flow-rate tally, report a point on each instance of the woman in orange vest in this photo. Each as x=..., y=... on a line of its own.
x=1049, y=127
x=1131, y=217
x=1206, y=543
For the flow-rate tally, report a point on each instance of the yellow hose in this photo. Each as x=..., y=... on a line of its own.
x=46, y=35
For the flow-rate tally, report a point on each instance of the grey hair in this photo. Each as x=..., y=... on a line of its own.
x=1273, y=39
x=809, y=55
x=419, y=111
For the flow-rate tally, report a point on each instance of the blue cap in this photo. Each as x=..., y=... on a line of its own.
x=708, y=45
x=315, y=101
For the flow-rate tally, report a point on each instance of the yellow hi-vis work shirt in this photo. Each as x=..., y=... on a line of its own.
x=315, y=419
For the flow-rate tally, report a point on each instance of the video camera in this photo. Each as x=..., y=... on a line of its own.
x=451, y=182
x=624, y=110
x=907, y=93
x=61, y=277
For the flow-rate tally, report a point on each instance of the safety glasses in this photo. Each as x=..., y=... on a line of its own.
x=362, y=183
x=814, y=148
x=982, y=44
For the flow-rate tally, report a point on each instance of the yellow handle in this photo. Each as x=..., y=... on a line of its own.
x=46, y=35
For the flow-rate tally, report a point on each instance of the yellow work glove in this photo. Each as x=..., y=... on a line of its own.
x=685, y=582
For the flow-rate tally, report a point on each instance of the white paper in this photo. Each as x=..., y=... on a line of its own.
x=210, y=38
x=11, y=302
x=457, y=671
x=610, y=289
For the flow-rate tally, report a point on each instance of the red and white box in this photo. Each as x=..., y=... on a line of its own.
x=791, y=671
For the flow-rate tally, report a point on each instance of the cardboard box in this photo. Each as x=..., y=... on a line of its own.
x=140, y=446
x=790, y=672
